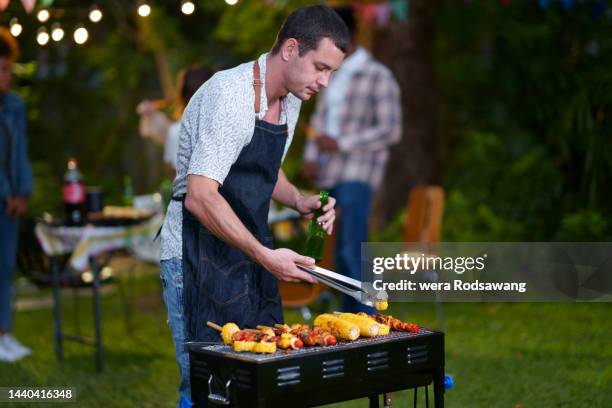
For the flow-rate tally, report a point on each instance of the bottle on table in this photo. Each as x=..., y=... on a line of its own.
x=73, y=194
x=128, y=192
x=315, y=240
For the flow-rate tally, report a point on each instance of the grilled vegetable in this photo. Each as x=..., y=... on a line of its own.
x=342, y=329
x=267, y=330
x=384, y=330
x=289, y=341
x=264, y=347
x=240, y=346
x=367, y=327
x=381, y=305
x=228, y=331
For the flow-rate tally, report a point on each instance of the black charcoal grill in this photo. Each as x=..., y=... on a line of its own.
x=364, y=368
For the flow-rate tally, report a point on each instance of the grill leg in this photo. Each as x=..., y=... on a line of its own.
x=374, y=401
x=414, y=401
x=439, y=389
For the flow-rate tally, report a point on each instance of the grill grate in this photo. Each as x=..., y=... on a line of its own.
x=283, y=354
x=319, y=375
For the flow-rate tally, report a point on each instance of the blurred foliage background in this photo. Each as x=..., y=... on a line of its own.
x=523, y=129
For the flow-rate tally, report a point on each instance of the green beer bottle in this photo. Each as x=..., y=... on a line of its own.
x=315, y=241
x=128, y=192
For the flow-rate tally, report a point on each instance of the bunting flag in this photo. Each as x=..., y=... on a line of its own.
x=380, y=13
x=4, y=4
x=399, y=9
x=384, y=15
x=28, y=5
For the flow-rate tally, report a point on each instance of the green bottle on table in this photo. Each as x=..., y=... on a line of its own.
x=128, y=192
x=315, y=241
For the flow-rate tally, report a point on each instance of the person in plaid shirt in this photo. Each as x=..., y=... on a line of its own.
x=357, y=118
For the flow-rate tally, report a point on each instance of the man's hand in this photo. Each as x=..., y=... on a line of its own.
x=310, y=171
x=281, y=263
x=307, y=206
x=16, y=206
x=326, y=144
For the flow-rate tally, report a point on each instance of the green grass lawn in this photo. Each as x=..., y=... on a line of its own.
x=501, y=355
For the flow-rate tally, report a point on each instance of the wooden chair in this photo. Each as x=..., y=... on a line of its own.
x=423, y=226
x=424, y=218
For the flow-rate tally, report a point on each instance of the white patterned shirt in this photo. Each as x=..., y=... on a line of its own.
x=217, y=123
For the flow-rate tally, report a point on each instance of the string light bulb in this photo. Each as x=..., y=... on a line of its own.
x=95, y=14
x=144, y=9
x=187, y=7
x=43, y=15
x=16, y=28
x=231, y=2
x=57, y=33
x=81, y=35
x=42, y=37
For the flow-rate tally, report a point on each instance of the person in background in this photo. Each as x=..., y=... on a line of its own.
x=162, y=129
x=15, y=190
x=356, y=119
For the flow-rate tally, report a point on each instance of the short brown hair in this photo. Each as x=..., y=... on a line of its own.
x=309, y=25
x=8, y=45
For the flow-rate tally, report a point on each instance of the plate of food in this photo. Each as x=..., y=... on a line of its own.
x=119, y=216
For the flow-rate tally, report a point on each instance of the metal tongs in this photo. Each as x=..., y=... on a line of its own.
x=364, y=292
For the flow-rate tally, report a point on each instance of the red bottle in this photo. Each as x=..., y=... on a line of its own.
x=74, y=194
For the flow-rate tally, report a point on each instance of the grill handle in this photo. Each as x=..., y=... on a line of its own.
x=216, y=398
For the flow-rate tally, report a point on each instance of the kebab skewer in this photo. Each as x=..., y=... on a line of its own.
x=393, y=323
x=246, y=340
x=310, y=338
x=284, y=339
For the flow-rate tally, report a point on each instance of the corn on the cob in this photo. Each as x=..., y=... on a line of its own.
x=240, y=346
x=342, y=329
x=384, y=330
x=264, y=347
x=367, y=327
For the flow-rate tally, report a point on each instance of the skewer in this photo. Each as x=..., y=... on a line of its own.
x=252, y=331
x=214, y=326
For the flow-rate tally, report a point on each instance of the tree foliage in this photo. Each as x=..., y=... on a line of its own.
x=527, y=120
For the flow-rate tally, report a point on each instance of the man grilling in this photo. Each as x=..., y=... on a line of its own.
x=217, y=262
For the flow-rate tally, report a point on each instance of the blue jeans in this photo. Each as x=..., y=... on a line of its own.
x=172, y=281
x=354, y=200
x=8, y=257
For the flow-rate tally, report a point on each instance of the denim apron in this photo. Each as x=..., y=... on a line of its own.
x=221, y=283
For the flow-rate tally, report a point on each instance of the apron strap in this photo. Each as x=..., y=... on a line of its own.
x=257, y=86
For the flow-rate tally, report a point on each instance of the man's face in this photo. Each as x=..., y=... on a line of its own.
x=6, y=68
x=308, y=74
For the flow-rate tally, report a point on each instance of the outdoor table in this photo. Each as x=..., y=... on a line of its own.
x=85, y=244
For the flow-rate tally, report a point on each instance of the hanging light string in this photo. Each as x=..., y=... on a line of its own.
x=47, y=14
